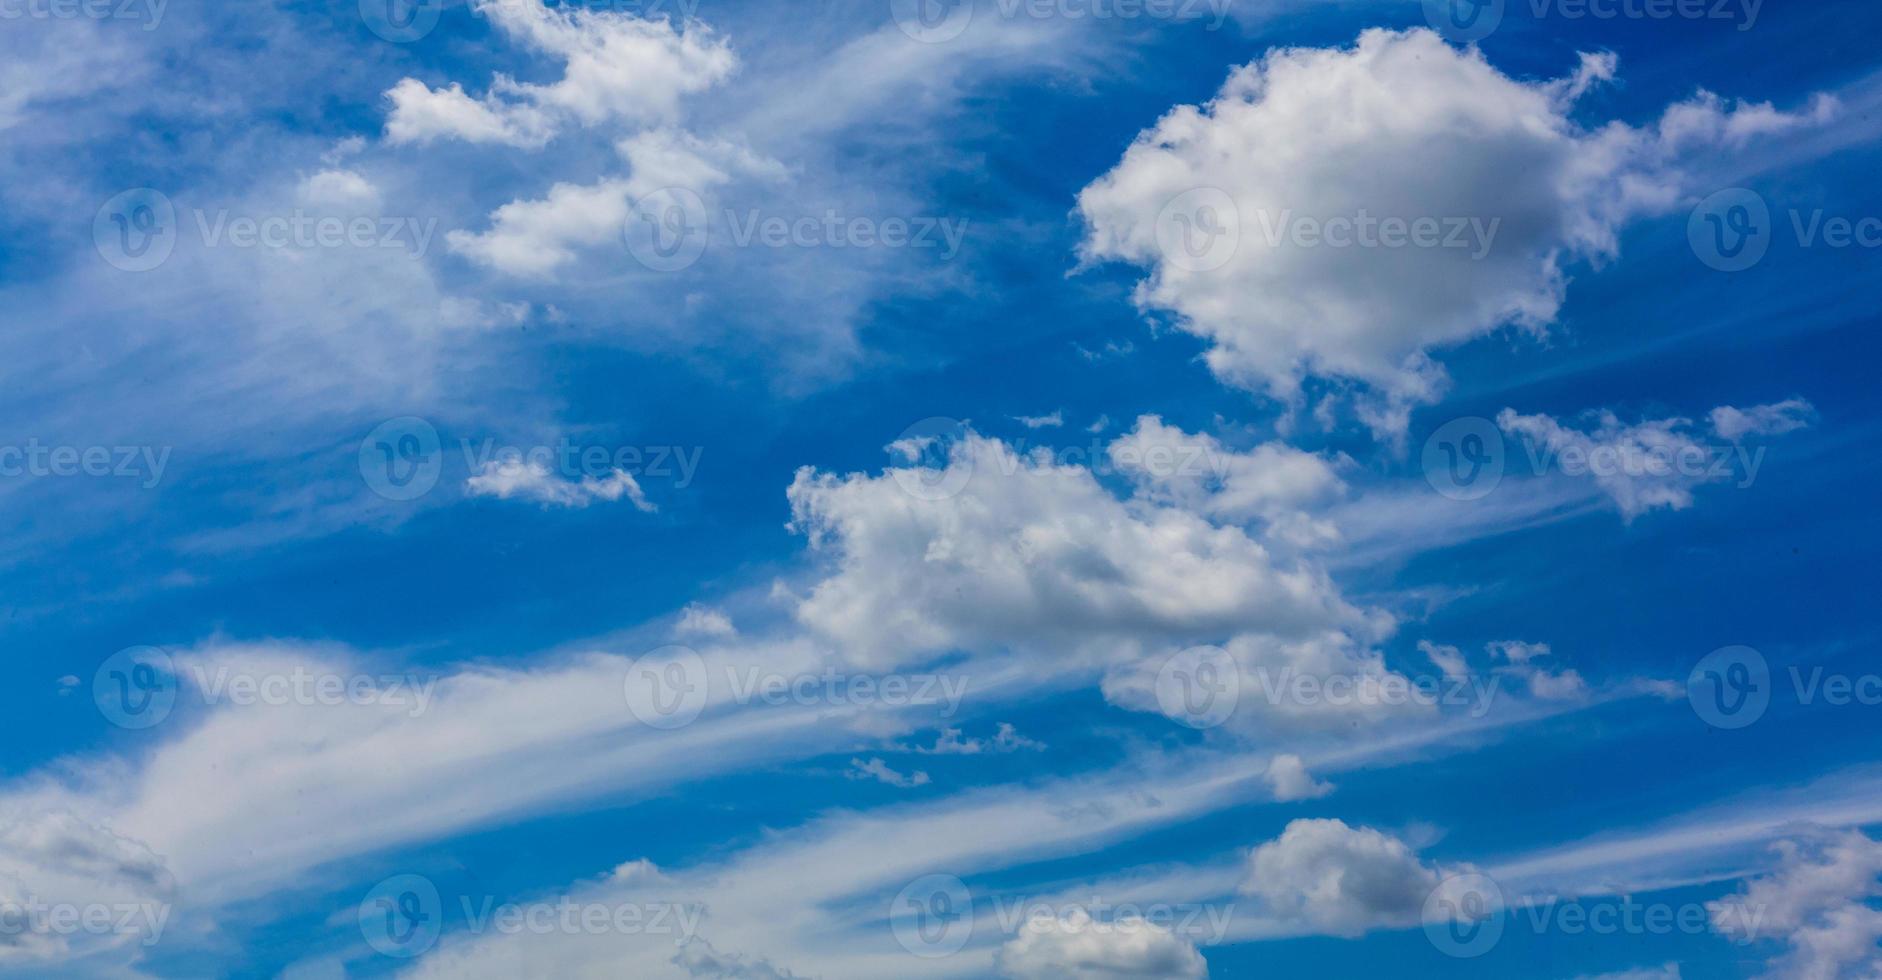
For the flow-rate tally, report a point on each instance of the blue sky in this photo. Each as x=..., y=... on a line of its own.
x=1031, y=490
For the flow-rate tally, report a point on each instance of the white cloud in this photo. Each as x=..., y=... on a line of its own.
x=617, y=67
x=698, y=620
x=699, y=959
x=341, y=189
x=1291, y=780
x=1272, y=482
x=1053, y=421
x=879, y=771
x=1520, y=660
x=1820, y=902
x=1400, y=126
x=1073, y=946
x=950, y=741
x=1033, y=556
x=1666, y=971
x=1339, y=879
x=1448, y=659
x=1653, y=463
x=528, y=479
x=533, y=238
x=1774, y=419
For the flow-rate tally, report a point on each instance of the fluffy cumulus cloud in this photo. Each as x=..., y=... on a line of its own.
x=1329, y=877
x=1273, y=482
x=525, y=479
x=991, y=549
x=1341, y=212
x=1653, y=463
x=1076, y=947
x=1820, y=903
x=617, y=67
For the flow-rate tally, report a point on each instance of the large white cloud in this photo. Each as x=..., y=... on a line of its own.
x=1338, y=879
x=1074, y=946
x=1034, y=555
x=1341, y=212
